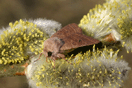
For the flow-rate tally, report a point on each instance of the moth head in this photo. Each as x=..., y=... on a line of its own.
x=52, y=46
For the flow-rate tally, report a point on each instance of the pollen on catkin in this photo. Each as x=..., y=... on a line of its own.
x=50, y=26
x=19, y=40
x=124, y=28
x=123, y=22
x=98, y=21
x=93, y=69
x=101, y=20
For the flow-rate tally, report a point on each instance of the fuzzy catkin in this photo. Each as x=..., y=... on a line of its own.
x=113, y=17
x=50, y=26
x=97, y=22
x=24, y=38
x=93, y=69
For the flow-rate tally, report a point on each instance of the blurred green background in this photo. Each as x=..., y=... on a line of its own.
x=63, y=11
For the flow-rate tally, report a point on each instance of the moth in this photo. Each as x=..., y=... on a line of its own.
x=65, y=40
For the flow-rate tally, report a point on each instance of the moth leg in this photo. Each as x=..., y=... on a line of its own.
x=39, y=57
x=45, y=52
x=62, y=56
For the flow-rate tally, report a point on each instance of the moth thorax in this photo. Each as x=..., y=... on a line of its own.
x=58, y=41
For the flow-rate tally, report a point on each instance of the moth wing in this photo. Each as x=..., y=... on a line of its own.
x=67, y=31
x=78, y=40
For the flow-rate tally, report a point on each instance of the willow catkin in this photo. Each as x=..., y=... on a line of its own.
x=93, y=69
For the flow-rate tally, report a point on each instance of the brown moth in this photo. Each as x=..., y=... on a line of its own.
x=67, y=38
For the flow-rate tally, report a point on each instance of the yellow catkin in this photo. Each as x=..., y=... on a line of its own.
x=16, y=42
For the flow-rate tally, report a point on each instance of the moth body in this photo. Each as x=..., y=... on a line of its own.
x=53, y=45
x=66, y=39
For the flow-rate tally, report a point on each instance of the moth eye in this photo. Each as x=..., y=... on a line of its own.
x=49, y=54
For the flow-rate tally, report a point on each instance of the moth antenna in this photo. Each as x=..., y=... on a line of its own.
x=39, y=57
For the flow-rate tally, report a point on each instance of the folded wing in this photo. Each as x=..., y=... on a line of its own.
x=68, y=30
x=77, y=40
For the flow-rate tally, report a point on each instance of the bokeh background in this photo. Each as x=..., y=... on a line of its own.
x=63, y=11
